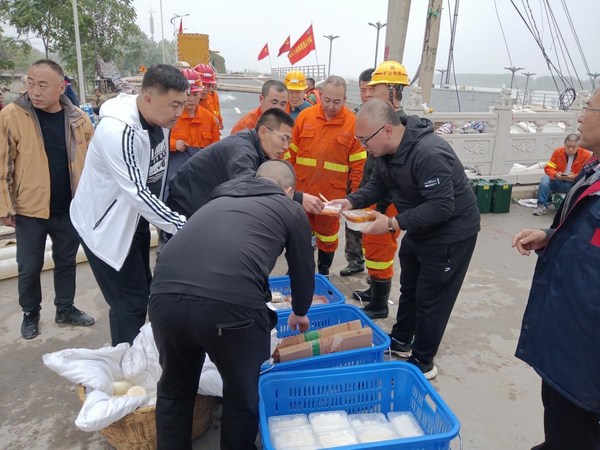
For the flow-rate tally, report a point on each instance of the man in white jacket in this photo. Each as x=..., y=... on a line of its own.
x=121, y=190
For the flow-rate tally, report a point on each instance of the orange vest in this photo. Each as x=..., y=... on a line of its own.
x=558, y=161
x=313, y=96
x=325, y=153
x=198, y=131
x=248, y=121
x=211, y=103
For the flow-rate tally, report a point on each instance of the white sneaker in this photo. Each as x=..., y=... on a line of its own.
x=540, y=210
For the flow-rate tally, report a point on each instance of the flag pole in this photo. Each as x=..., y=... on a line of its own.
x=270, y=63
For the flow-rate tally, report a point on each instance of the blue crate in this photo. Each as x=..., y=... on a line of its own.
x=327, y=316
x=322, y=287
x=369, y=388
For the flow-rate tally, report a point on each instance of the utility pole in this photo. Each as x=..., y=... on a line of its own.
x=528, y=75
x=331, y=37
x=442, y=72
x=430, y=43
x=378, y=25
x=151, y=11
x=593, y=76
x=397, y=27
x=78, y=53
x=513, y=70
x=162, y=32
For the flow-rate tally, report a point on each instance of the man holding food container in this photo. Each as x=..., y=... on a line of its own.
x=437, y=209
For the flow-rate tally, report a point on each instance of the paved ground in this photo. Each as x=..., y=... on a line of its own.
x=495, y=395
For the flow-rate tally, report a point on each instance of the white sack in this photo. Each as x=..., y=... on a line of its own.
x=99, y=410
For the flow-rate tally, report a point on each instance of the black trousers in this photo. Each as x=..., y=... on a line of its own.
x=237, y=339
x=31, y=236
x=126, y=291
x=430, y=279
x=567, y=426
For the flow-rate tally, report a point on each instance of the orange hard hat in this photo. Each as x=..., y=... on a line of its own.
x=207, y=73
x=194, y=79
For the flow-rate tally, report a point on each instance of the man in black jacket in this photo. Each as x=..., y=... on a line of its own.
x=437, y=208
x=209, y=295
x=236, y=156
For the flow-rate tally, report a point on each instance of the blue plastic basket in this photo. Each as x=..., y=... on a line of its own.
x=322, y=287
x=369, y=388
x=326, y=316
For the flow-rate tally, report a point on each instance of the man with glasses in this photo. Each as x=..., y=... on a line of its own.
x=237, y=156
x=559, y=333
x=437, y=209
x=561, y=170
x=386, y=83
x=326, y=156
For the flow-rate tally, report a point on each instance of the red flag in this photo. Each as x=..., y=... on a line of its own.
x=285, y=47
x=303, y=46
x=180, y=26
x=264, y=52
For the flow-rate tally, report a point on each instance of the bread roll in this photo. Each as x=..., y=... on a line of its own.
x=121, y=387
x=136, y=391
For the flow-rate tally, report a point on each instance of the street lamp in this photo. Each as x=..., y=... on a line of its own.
x=442, y=72
x=513, y=69
x=331, y=37
x=379, y=26
x=528, y=75
x=593, y=76
x=176, y=16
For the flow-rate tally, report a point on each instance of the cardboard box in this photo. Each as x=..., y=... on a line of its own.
x=317, y=347
x=339, y=342
x=322, y=332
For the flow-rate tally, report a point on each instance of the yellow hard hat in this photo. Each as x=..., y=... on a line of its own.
x=389, y=72
x=295, y=81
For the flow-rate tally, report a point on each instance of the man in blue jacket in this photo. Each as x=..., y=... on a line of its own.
x=437, y=209
x=209, y=296
x=560, y=334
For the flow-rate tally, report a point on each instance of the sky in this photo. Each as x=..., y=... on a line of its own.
x=240, y=28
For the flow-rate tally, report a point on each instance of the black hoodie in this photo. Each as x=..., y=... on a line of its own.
x=435, y=202
x=228, y=247
x=236, y=156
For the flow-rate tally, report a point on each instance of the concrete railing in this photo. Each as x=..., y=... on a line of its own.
x=507, y=137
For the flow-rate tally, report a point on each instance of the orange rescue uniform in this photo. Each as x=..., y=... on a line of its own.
x=248, y=121
x=198, y=131
x=380, y=250
x=211, y=103
x=326, y=155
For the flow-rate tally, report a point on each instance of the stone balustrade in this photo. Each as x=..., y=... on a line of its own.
x=506, y=137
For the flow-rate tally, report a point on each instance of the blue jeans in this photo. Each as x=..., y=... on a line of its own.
x=547, y=186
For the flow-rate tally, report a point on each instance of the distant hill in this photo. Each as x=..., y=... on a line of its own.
x=539, y=83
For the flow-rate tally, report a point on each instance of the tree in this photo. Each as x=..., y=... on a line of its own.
x=105, y=27
x=40, y=18
x=12, y=52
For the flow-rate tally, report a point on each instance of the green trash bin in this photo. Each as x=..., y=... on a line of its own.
x=501, y=196
x=483, y=193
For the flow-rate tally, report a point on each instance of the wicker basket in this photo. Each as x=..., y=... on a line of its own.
x=137, y=430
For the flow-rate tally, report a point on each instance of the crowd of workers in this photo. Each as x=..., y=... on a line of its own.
x=231, y=206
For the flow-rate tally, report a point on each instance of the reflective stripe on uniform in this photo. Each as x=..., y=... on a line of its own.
x=294, y=147
x=551, y=164
x=378, y=265
x=287, y=155
x=358, y=156
x=306, y=161
x=324, y=238
x=335, y=167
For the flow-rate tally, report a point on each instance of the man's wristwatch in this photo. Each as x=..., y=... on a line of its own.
x=391, y=225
